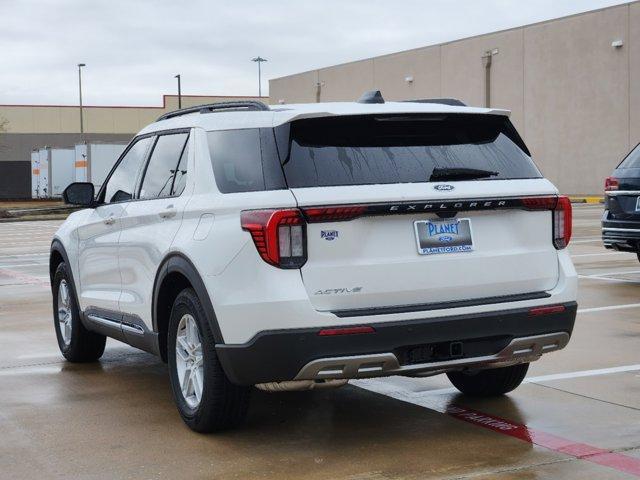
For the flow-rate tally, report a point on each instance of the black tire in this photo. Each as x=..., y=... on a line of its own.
x=490, y=382
x=222, y=405
x=83, y=345
x=638, y=254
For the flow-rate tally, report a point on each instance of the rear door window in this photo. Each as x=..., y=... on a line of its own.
x=364, y=150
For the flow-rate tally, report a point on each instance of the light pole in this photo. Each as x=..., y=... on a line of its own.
x=259, y=60
x=80, y=65
x=179, y=92
x=487, y=60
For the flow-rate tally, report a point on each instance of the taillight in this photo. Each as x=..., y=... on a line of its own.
x=279, y=236
x=562, y=223
x=540, y=203
x=561, y=210
x=611, y=183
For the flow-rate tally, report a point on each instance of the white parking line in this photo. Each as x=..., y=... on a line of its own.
x=610, y=307
x=10, y=265
x=583, y=373
x=30, y=243
x=607, y=279
x=585, y=241
x=379, y=385
x=35, y=233
x=599, y=254
x=617, y=272
x=11, y=255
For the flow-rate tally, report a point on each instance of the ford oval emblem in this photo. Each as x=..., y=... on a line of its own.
x=443, y=187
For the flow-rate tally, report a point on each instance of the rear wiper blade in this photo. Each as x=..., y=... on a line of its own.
x=459, y=173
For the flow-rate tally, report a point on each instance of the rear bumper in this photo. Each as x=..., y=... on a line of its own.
x=621, y=235
x=412, y=347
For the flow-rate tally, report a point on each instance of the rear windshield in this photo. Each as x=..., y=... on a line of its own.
x=632, y=160
x=357, y=150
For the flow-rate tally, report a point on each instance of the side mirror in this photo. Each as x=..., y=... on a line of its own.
x=79, y=193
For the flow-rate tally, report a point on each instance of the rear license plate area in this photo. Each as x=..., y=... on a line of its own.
x=443, y=236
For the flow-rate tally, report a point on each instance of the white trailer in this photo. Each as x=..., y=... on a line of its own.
x=93, y=161
x=43, y=182
x=80, y=165
x=35, y=174
x=61, y=170
x=56, y=171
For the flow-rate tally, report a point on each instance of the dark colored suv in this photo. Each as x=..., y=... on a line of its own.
x=621, y=219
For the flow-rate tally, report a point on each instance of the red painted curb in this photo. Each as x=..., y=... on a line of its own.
x=582, y=451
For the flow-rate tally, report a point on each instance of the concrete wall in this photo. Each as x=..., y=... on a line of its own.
x=574, y=98
x=15, y=180
x=633, y=52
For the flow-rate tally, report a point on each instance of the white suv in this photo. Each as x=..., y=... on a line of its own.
x=299, y=246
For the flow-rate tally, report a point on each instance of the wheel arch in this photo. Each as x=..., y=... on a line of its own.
x=175, y=274
x=57, y=255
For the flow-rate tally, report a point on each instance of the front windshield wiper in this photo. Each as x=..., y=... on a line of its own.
x=459, y=173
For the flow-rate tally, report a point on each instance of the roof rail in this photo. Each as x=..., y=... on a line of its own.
x=240, y=105
x=454, y=102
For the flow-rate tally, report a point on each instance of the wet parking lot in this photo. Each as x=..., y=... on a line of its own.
x=577, y=415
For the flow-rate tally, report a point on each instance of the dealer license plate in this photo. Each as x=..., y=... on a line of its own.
x=443, y=236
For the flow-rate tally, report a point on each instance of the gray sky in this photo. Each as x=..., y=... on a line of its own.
x=133, y=48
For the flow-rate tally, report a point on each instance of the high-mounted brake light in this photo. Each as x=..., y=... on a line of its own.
x=611, y=183
x=562, y=217
x=279, y=236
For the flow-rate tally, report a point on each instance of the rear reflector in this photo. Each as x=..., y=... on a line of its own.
x=345, y=331
x=536, y=311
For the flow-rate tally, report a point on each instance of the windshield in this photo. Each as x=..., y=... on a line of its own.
x=371, y=149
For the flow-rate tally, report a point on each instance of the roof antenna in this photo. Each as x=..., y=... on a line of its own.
x=372, y=96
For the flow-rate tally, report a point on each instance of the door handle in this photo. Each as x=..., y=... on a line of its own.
x=109, y=220
x=168, y=213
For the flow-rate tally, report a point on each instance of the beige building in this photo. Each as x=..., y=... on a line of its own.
x=27, y=127
x=126, y=120
x=572, y=84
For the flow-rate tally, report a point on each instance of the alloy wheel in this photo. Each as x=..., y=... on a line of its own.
x=189, y=364
x=64, y=312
